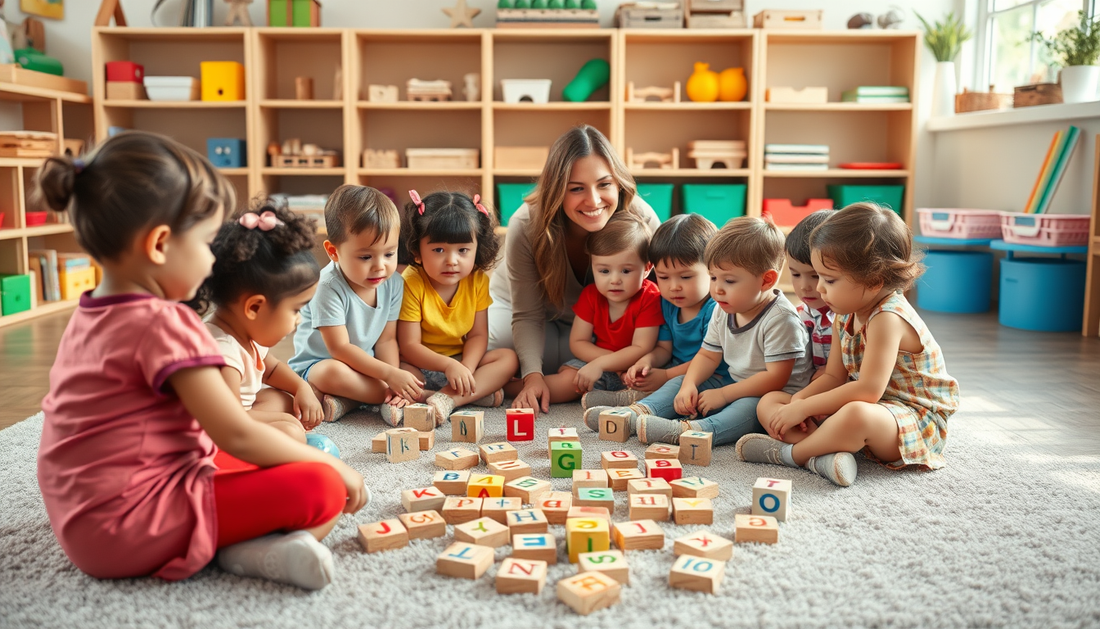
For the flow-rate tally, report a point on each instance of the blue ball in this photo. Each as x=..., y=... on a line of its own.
x=323, y=443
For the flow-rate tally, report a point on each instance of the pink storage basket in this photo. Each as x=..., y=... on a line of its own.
x=959, y=223
x=1045, y=230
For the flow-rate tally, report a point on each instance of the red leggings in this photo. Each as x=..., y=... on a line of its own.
x=252, y=501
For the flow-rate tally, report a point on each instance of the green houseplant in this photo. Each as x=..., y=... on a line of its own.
x=945, y=40
x=1076, y=50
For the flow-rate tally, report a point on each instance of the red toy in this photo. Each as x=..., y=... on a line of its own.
x=520, y=424
x=668, y=469
x=125, y=72
x=785, y=214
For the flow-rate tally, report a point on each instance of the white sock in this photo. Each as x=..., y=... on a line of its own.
x=294, y=558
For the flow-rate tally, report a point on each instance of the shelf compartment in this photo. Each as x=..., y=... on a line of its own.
x=690, y=173
x=390, y=59
x=647, y=130
x=323, y=127
x=172, y=52
x=10, y=203
x=552, y=106
x=554, y=56
x=840, y=62
x=687, y=106
x=281, y=181
x=302, y=104
x=798, y=190
x=838, y=107
x=421, y=106
x=835, y=172
x=877, y=136
x=658, y=59
x=287, y=53
x=418, y=172
x=174, y=104
x=181, y=124
x=542, y=128
x=398, y=130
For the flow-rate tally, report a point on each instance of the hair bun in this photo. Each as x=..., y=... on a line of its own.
x=56, y=182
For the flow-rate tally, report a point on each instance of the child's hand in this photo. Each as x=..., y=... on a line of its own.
x=586, y=377
x=686, y=400
x=711, y=400
x=651, y=379
x=307, y=407
x=638, y=369
x=460, y=378
x=404, y=384
x=786, y=417
x=394, y=399
x=357, y=491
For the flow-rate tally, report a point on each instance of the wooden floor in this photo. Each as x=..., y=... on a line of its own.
x=1038, y=390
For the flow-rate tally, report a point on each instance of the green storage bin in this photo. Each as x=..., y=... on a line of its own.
x=510, y=198
x=659, y=197
x=15, y=294
x=717, y=202
x=886, y=196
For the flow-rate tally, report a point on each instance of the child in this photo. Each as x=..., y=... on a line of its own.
x=129, y=463
x=754, y=328
x=676, y=252
x=443, y=330
x=621, y=309
x=264, y=274
x=346, y=344
x=886, y=389
x=816, y=316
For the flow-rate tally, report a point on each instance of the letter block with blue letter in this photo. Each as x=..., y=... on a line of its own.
x=465, y=561
x=771, y=496
x=540, y=546
x=696, y=573
x=467, y=426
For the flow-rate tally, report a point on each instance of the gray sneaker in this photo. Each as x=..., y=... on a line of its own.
x=840, y=468
x=653, y=429
x=625, y=397
x=592, y=416
x=758, y=448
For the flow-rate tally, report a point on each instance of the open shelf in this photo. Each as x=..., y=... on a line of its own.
x=419, y=172
x=175, y=104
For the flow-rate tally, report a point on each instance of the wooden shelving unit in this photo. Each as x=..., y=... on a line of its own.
x=1090, y=325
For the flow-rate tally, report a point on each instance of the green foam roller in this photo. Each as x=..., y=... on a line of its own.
x=593, y=75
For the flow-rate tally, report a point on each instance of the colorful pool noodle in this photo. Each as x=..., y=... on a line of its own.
x=1068, y=145
x=1037, y=189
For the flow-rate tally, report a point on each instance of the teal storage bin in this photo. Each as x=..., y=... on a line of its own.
x=886, y=196
x=510, y=198
x=718, y=202
x=15, y=294
x=659, y=197
x=956, y=281
x=1042, y=294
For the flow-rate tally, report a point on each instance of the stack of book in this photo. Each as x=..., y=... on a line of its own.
x=876, y=94
x=51, y=269
x=796, y=157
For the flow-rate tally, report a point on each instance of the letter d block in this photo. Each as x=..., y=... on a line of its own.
x=696, y=573
x=695, y=447
x=467, y=426
x=615, y=425
x=402, y=446
x=565, y=456
x=520, y=424
x=420, y=417
x=586, y=535
x=589, y=591
x=771, y=496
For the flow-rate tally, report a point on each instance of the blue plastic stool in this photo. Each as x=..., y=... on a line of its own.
x=1042, y=294
x=956, y=281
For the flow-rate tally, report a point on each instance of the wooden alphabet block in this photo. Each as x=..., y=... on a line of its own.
x=589, y=512
x=595, y=497
x=755, y=528
x=649, y=507
x=456, y=459
x=649, y=486
x=668, y=469
x=541, y=546
x=426, y=440
x=555, y=506
x=459, y=510
x=498, y=508
x=384, y=535
x=485, y=486
x=562, y=434
x=465, y=561
x=527, y=521
x=467, y=426
x=772, y=496
x=423, y=499
x=615, y=425
x=520, y=424
x=584, y=535
x=662, y=451
x=420, y=417
x=639, y=535
x=521, y=576
x=565, y=456
x=378, y=443
x=528, y=489
x=693, y=511
x=694, y=487
x=424, y=524
x=696, y=573
x=609, y=562
x=483, y=532
x=589, y=591
x=402, y=446
x=452, y=483
x=618, y=459
x=695, y=447
x=497, y=452
x=588, y=478
x=510, y=470
x=620, y=478
x=704, y=544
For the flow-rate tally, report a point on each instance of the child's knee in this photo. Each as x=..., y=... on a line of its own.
x=856, y=416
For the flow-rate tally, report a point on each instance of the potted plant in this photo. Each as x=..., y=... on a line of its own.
x=1075, y=49
x=945, y=40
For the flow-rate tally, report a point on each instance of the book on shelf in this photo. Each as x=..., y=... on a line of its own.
x=73, y=261
x=852, y=97
x=879, y=90
x=814, y=149
x=795, y=158
x=778, y=166
x=47, y=266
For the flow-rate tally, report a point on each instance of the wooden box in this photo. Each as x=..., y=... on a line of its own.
x=305, y=161
x=1037, y=94
x=520, y=157
x=728, y=19
x=442, y=159
x=715, y=6
x=125, y=90
x=630, y=15
x=981, y=101
x=783, y=94
x=775, y=18
x=27, y=143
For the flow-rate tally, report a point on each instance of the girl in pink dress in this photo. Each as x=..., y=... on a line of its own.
x=148, y=464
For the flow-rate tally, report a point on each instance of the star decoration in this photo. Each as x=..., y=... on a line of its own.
x=461, y=15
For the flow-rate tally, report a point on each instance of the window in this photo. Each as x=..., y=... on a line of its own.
x=1006, y=58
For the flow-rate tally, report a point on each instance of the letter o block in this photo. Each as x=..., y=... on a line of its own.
x=771, y=496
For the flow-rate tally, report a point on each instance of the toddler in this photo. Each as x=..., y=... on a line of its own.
x=816, y=316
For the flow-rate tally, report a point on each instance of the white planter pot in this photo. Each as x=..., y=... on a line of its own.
x=1079, y=83
x=944, y=89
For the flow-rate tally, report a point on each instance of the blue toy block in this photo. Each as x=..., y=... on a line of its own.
x=227, y=152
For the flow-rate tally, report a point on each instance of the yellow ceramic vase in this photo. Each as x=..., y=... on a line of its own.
x=732, y=85
x=702, y=86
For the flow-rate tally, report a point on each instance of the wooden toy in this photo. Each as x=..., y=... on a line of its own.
x=586, y=16
x=694, y=487
x=441, y=159
x=649, y=486
x=27, y=143
x=668, y=469
x=382, y=93
x=222, y=80
x=642, y=161
x=485, y=486
x=528, y=489
x=615, y=425
x=520, y=423
x=293, y=13
x=609, y=562
x=589, y=591
x=660, y=94
x=510, y=470
x=527, y=521
x=710, y=153
x=496, y=452
x=639, y=535
x=303, y=88
x=467, y=426
x=472, y=87
x=709, y=6
x=565, y=456
x=458, y=510
x=692, y=511
x=461, y=15
x=649, y=507
x=662, y=451
x=294, y=154
x=419, y=90
x=424, y=524
x=423, y=499
x=451, y=483
x=238, y=13
x=457, y=459
x=771, y=496
x=704, y=544
x=785, y=94
x=588, y=478
x=555, y=506
x=126, y=90
x=401, y=446
x=521, y=576
x=618, y=459
x=726, y=19
x=384, y=535
x=530, y=90
x=540, y=546
x=378, y=442
x=777, y=18
x=595, y=497
x=584, y=535
x=562, y=434
x=589, y=512
x=620, y=478
x=380, y=159
x=426, y=440
x=696, y=573
x=520, y=157
x=464, y=560
x=420, y=417
x=227, y=152
x=498, y=508
x=649, y=15
x=755, y=528
x=483, y=532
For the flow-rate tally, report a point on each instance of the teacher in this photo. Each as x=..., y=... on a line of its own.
x=545, y=265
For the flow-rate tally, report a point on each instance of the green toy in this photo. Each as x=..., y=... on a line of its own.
x=504, y=4
x=523, y=4
x=31, y=59
x=538, y=4
x=593, y=75
x=556, y=4
x=572, y=4
x=565, y=456
x=589, y=4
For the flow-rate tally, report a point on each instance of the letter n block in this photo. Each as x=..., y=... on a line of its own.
x=467, y=426
x=649, y=507
x=589, y=591
x=465, y=561
x=565, y=456
x=695, y=447
x=771, y=496
x=755, y=528
x=419, y=417
x=485, y=486
x=609, y=562
x=668, y=469
x=402, y=446
x=704, y=544
x=696, y=573
x=384, y=535
x=615, y=425
x=585, y=535
x=541, y=546
x=520, y=424
x=521, y=576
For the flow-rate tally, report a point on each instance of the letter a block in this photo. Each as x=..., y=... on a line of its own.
x=456, y=459
x=528, y=489
x=609, y=562
x=465, y=561
x=483, y=532
x=695, y=447
x=452, y=483
x=521, y=576
x=402, y=445
x=694, y=487
x=424, y=524
x=615, y=425
x=467, y=426
x=704, y=544
x=693, y=510
x=618, y=459
x=423, y=499
x=541, y=546
x=696, y=573
x=585, y=535
x=771, y=496
x=485, y=486
x=565, y=456
x=420, y=417
x=640, y=535
x=527, y=521
x=562, y=434
x=668, y=469
x=755, y=528
x=589, y=591
x=520, y=424
x=384, y=535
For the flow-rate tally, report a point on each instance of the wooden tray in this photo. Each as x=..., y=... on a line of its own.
x=14, y=73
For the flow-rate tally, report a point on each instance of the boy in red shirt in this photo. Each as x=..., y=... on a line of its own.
x=618, y=315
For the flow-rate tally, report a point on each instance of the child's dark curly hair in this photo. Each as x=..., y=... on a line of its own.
x=453, y=218
x=275, y=263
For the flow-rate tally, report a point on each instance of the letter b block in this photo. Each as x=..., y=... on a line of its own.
x=521, y=424
x=771, y=496
x=565, y=456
